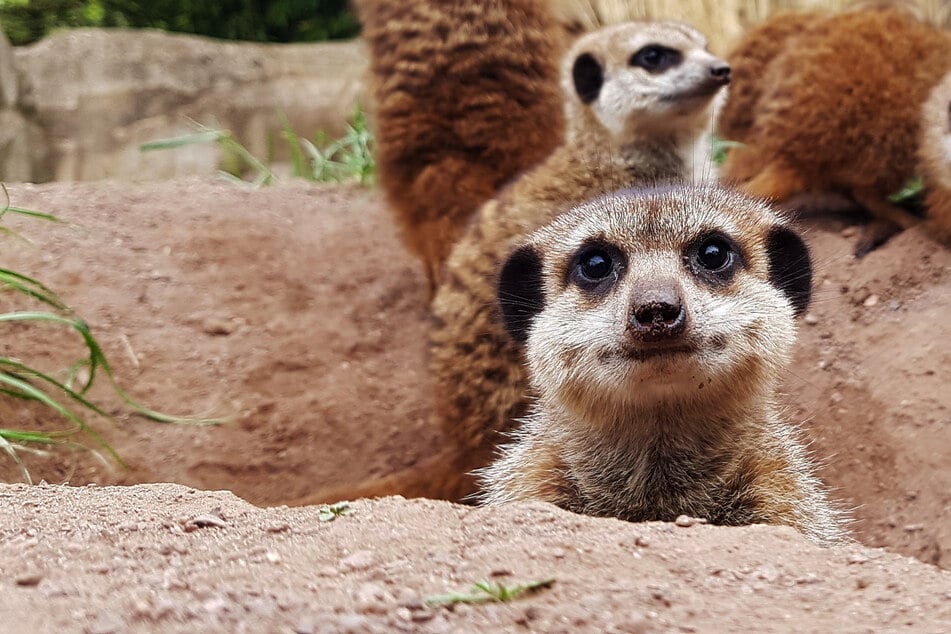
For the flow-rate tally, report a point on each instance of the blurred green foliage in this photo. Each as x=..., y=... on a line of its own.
x=26, y=21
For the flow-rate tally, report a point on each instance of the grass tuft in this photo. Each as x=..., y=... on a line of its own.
x=485, y=591
x=324, y=160
x=332, y=512
x=22, y=381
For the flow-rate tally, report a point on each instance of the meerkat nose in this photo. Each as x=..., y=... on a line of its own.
x=721, y=72
x=657, y=313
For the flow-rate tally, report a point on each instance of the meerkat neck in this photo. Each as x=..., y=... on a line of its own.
x=628, y=426
x=649, y=462
x=648, y=156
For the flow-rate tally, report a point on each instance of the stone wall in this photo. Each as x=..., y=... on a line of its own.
x=78, y=104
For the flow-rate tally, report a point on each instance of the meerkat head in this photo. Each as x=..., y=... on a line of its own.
x=658, y=299
x=639, y=78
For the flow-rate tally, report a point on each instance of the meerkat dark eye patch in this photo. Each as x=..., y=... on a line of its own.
x=655, y=58
x=520, y=291
x=714, y=258
x=588, y=77
x=790, y=266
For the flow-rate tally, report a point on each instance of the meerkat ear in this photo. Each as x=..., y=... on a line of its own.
x=588, y=77
x=520, y=291
x=790, y=266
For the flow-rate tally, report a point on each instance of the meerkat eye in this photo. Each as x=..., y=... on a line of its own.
x=714, y=258
x=714, y=253
x=655, y=59
x=594, y=265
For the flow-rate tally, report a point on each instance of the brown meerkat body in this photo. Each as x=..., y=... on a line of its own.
x=749, y=61
x=658, y=324
x=838, y=113
x=640, y=99
x=466, y=96
x=934, y=154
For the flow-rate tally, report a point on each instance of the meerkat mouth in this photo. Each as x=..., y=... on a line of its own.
x=703, y=91
x=645, y=353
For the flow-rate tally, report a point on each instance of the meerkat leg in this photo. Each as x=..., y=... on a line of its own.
x=776, y=182
x=889, y=219
x=439, y=476
x=886, y=210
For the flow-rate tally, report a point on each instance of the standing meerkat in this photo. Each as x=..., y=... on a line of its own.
x=838, y=113
x=640, y=101
x=934, y=155
x=658, y=324
x=466, y=96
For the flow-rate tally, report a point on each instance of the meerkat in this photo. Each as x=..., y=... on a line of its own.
x=934, y=156
x=466, y=96
x=838, y=113
x=658, y=324
x=640, y=101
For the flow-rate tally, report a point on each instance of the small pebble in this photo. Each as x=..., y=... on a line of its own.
x=870, y=301
x=360, y=560
x=685, y=521
x=204, y=521
x=279, y=528
x=30, y=580
x=811, y=319
x=217, y=326
x=848, y=232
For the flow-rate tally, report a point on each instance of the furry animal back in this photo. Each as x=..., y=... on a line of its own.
x=658, y=325
x=466, y=97
x=837, y=111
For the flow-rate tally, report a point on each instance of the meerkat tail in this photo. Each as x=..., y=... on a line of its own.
x=466, y=97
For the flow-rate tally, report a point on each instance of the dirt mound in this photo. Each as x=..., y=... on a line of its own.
x=169, y=558
x=295, y=310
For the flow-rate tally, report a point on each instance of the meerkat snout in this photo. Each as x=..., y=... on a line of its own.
x=657, y=312
x=721, y=72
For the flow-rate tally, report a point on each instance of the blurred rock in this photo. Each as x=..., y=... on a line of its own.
x=8, y=74
x=22, y=150
x=98, y=94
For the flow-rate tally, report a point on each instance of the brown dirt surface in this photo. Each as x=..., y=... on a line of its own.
x=295, y=311
x=173, y=559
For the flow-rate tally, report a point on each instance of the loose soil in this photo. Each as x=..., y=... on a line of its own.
x=294, y=311
x=171, y=559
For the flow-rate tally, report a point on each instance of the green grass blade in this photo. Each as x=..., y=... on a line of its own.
x=298, y=161
x=205, y=136
x=912, y=188
x=42, y=397
x=8, y=447
x=31, y=214
x=97, y=359
x=33, y=288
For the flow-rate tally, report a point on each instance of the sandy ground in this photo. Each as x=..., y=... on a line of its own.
x=295, y=311
x=169, y=558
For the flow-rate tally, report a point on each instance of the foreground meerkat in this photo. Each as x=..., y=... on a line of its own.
x=838, y=112
x=934, y=155
x=640, y=101
x=658, y=324
x=466, y=96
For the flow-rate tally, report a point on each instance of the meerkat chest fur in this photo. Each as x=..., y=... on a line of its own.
x=657, y=324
